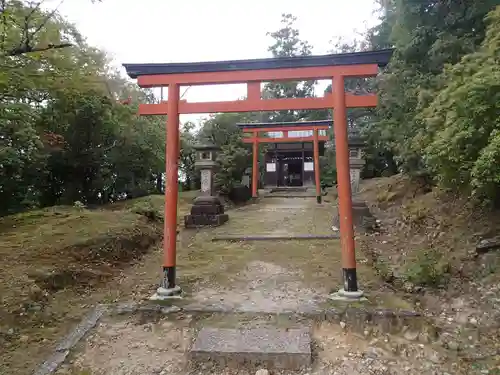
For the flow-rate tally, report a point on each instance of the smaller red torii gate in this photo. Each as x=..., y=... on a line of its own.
x=255, y=129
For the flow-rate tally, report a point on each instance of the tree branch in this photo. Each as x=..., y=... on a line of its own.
x=4, y=25
x=29, y=49
x=49, y=16
x=25, y=45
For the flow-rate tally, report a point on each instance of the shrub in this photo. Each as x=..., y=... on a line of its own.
x=240, y=194
x=147, y=209
x=429, y=268
x=415, y=214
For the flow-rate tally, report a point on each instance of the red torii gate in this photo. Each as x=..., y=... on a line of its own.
x=255, y=139
x=334, y=67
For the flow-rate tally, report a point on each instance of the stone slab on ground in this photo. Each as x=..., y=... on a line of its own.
x=63, y=348
x=288, y=195
x=274, y=237
x=87, y=323
x=273, y=348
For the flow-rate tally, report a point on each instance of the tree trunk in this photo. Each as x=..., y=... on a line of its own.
x=159, y=183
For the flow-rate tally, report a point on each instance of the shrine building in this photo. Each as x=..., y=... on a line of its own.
x=289, y=158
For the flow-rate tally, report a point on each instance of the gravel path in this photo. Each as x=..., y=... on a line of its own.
x=271, y=277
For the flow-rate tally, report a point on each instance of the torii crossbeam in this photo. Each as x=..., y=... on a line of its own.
x=334, y=67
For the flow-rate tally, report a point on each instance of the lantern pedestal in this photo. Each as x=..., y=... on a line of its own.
x=207, y=209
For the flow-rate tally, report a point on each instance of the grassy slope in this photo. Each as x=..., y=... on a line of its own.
x=419, y=223
x=52, y=259
x=427, y=247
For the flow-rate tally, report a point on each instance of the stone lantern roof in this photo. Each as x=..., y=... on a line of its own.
x=206, y=146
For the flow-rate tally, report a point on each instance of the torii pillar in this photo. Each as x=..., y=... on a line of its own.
x=350, y=289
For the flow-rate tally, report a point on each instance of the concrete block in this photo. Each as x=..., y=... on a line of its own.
x=362, y=218
x=272, y=348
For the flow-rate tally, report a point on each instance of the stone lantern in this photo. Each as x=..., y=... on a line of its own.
x=207, y=209
x=205, y=163
x=362, y=217
x=356, y=161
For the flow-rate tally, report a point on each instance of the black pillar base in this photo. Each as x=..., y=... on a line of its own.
x=167, y=289
x=168, y=281
x=318, y=198
x=350, y=279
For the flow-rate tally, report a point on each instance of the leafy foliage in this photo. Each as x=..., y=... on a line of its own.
x=438, y=112
x=187, y=156
x=63, y=135
x=428, y=269
x=234, y=156
x=461, y=136
x=232, y=162
x=427, y=35
x=287, y=43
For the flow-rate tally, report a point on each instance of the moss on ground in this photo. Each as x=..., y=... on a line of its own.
x=54, y=259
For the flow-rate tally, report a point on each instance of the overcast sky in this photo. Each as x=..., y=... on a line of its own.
x=161, y=31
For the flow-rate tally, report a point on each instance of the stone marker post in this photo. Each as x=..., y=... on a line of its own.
x=362, y=217
x=356, y=161
x=356, y=164
x=207, y=209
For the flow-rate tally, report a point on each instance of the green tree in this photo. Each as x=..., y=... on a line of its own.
x=461, y=133
x=427, y=35
x=21, y=157
x=235, y=156
x=188, y=156
x=232, y=161
x=80, y=169
x=62, y=134
x=137, y=158
x=287, y=43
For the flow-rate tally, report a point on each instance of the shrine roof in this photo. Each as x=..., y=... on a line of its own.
x=257, y=125
x=380, y=57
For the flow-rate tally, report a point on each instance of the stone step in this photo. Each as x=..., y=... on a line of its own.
x=272, y=348
x=288, y=189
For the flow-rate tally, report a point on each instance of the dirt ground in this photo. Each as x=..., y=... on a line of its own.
x=426, y=250
x=276, y=277
x=254, y=277
x=59, y=262
x=272, y=277
x=148, y=345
